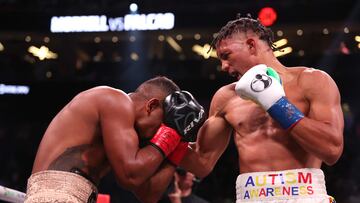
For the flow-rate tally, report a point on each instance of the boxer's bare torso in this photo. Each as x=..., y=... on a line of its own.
x=101, y=129
x=261, y=143
x=74, y=137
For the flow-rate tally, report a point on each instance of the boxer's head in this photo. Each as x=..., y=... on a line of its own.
x=149, y=104
x=241, y=44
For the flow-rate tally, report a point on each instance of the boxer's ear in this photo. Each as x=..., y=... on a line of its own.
x=152, y=104
x=251, y=45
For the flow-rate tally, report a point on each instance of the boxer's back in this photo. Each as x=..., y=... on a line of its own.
x=73, y=138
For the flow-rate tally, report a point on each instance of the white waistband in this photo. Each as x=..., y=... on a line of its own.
x=280, y=185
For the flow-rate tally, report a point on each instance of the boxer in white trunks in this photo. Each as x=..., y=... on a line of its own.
x=285, y=121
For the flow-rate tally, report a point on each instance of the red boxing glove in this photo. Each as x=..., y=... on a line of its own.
x=165, y=140
x=178, y=154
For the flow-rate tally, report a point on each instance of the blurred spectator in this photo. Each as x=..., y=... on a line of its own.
x=182, y=190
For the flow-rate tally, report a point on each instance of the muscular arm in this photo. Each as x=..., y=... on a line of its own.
x=213, y=138
x=153, y=189
x=132, y=165
x=321, y=131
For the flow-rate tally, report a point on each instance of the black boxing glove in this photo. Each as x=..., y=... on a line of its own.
x=184, y=114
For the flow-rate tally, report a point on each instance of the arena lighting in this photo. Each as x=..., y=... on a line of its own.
x=344, y=49
x=134, y=56
x=42, y=53
x=1, y=47
x=27, y=39
x=114, y=39
x=301, y=52
x=174, y=44
x=179, y=37
x=280, y=43
x=204, y=51
x=14, y=89
x=161, y=38
x=133, y=8
x=299, y=32
x=101, y=23
x=357, y=38
x=283, y=51
x=197, y=36
x=325, y=31
x=267, y=16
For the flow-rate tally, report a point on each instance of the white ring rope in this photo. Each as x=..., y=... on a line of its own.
x=11, y=195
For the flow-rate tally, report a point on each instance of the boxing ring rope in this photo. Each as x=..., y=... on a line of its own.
x=11, y=195
x=14, y=196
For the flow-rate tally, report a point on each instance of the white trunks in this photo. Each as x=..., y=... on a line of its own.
x=305, y=185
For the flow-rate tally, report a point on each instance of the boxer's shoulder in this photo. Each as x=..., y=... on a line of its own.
x=224, y=93
x=302, y=72
x=222, y=97
x=107, y=97
x=309, y=78
x=107, y=91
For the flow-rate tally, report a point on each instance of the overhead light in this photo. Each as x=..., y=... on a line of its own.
x=132, y=38
x=134, y=56
x=161, y=38
x=46, y=39
x=114, y=39
x=267, y=16
x=280, y=43
x=344, y=49
x=98, y=56
x=42, y=53
x=28, y=39
x=325, y=31
x=299, y=32
x=204, y=51
x=280, y=33
x=301, y=52
x=48, y=74
x=174, y=44
x=97, y=39
x=1, y=47
x=133, y=7
x=197, y=36
x=283, y=51
x=357, y=38
x=179, y=37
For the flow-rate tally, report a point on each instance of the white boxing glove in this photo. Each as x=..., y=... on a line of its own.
x=262, y=85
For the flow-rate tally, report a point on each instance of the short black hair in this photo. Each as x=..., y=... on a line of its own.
x=244, y=24
x=162, y=83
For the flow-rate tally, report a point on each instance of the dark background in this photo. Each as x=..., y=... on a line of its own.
x=82, y=63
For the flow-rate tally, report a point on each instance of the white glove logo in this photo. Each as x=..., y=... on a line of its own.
x=260, y=82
